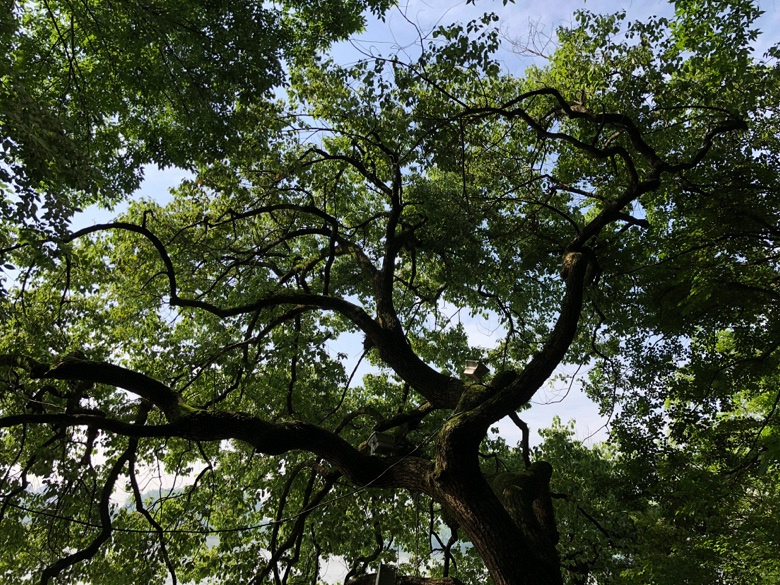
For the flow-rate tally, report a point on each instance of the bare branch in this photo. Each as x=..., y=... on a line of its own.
x=91, y=550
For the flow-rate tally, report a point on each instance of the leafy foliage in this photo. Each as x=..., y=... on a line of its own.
x=92, y=91
x=176, y=402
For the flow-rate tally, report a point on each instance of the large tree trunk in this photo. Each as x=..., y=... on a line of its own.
x=510, y=524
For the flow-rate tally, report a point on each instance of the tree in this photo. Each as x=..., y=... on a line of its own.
x=693, y=513
x=93, y=91
x=581, y=205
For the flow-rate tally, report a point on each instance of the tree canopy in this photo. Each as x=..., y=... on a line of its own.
x=176, y=402
x=92, y=91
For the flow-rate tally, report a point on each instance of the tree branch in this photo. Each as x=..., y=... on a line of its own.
x=265, y=437
x=543, y=363
x=60, y=565
x=72, y=368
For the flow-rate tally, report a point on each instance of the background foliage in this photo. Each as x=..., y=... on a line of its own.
x=466, y=184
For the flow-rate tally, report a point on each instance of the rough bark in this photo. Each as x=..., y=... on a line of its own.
x=526, y=496
x=516, y=547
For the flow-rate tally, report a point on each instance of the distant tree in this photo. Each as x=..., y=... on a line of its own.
x=175, y=405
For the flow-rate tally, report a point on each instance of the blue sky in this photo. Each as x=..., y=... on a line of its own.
x=530, y=23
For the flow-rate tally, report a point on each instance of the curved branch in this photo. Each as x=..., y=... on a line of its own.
x=265, y=437
x=311, y=501
x=511, y=109
x=72, y=368
x=159, y=531
x=357, y=165
x=469, y=427
x=636, y=187
x=384, y=278
x=60, y=565
x=349, y=310
x=542, y=364
x=614, y=211
x=131, y=227
x=386, y=334
x=412, y=418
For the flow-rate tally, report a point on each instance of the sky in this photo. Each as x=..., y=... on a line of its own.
x=529, y=23
x=524, y=23
x=532, y=24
